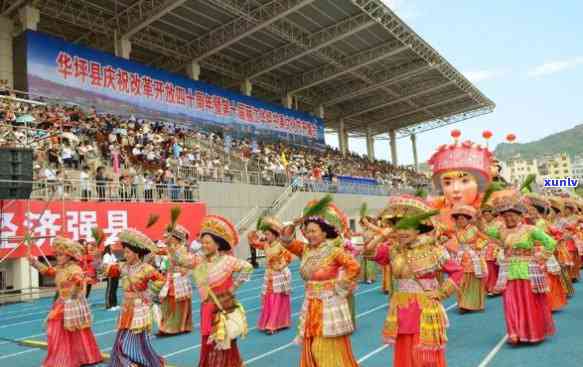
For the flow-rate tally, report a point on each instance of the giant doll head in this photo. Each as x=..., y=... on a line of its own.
x=461, y=173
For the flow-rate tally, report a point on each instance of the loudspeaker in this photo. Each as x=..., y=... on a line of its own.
x=15, y=173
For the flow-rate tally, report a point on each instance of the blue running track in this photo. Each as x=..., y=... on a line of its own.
x=475, y=340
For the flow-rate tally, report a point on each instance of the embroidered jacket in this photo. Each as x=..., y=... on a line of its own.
x=415, y=270
x=138, y=282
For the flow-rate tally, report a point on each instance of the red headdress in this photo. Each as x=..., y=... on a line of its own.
x=466, y=157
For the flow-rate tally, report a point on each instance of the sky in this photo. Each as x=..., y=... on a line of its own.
x=526, y=56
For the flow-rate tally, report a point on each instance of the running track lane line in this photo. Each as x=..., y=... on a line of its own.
x=380, y=349
x=273, y=351
x=115, y=330
x=179, y=351
x=154, y=337
x=255, y=327
x=111, y=319
x=36, y=305
x=47, y=309
x=493, y=352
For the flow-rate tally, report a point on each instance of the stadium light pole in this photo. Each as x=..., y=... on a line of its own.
x=393, y=146
x=414, y=146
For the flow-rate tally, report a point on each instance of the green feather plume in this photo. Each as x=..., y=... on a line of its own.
x=492, y=188
x=152, y=219
x=527, y=184
x=262, y=227
x=259, y=223
x=421, y=193
x=98, y=235
x=174, y=214
x=414, y=221
x=319, y=207
x=363, y=210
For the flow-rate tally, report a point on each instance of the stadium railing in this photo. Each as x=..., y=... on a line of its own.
x=344, y=188
x=108, y=191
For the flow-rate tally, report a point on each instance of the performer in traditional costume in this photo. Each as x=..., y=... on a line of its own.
x=276, y=294
x=176, y=294
x=562, y=253
x=71, y=342
x=89, y=264
x=571, y=236
x=466, y=249
x=217, y=274
x=557, y=289
x=416, y=322
x=330, y=274
x=526, y=307
x=139, y=280
x=492, y=248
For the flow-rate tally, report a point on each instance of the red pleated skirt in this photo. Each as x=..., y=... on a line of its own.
x=406, y=355
x=211, y=357
x=528, y=315
x=558, y=294
x=492, y=278
x=275, y=312
x=70, y=348
x=575, y=271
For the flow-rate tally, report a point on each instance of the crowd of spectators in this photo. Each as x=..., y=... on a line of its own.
x=99, y=149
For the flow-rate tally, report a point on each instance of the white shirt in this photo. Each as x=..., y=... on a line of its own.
x=109, y=259
x=84, y=178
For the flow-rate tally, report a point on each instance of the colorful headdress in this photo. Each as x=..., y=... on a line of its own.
x=137, y=239
x=571, y=203
x=537, y=200
x=487, y=208
x=269, y=224
x=220, y=227
x=509, y=203
x=405, y=205
x=411, y=211
x=68, y=247
x=179, y=232
x=466, y=157
x=329, y=214
x=466, y=210
x=557, y=203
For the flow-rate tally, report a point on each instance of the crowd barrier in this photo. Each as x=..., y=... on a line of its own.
x=113, y=191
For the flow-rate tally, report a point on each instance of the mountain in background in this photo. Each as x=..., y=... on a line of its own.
x=568, y=141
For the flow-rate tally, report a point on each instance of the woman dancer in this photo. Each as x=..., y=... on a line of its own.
x=416, y=322
x=330, y=274
x=218, y=274
x=557, y=290
x=467, y=244
x=562, y=253
x=526, y=307
x=71, y=342
x=176, y=294
x=492, y=249
x=276, y=294
x=132, y=345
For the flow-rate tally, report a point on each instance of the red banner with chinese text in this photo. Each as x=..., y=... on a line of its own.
x=75, y=219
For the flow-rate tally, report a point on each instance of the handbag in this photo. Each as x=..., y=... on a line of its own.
x=227, y=326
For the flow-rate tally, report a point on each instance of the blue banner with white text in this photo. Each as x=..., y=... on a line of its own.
x=56, y=68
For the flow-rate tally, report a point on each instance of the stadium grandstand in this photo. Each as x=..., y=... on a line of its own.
x=131, y=107
x=352, y=65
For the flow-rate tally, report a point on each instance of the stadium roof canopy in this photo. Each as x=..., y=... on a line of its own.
x=355, y=58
